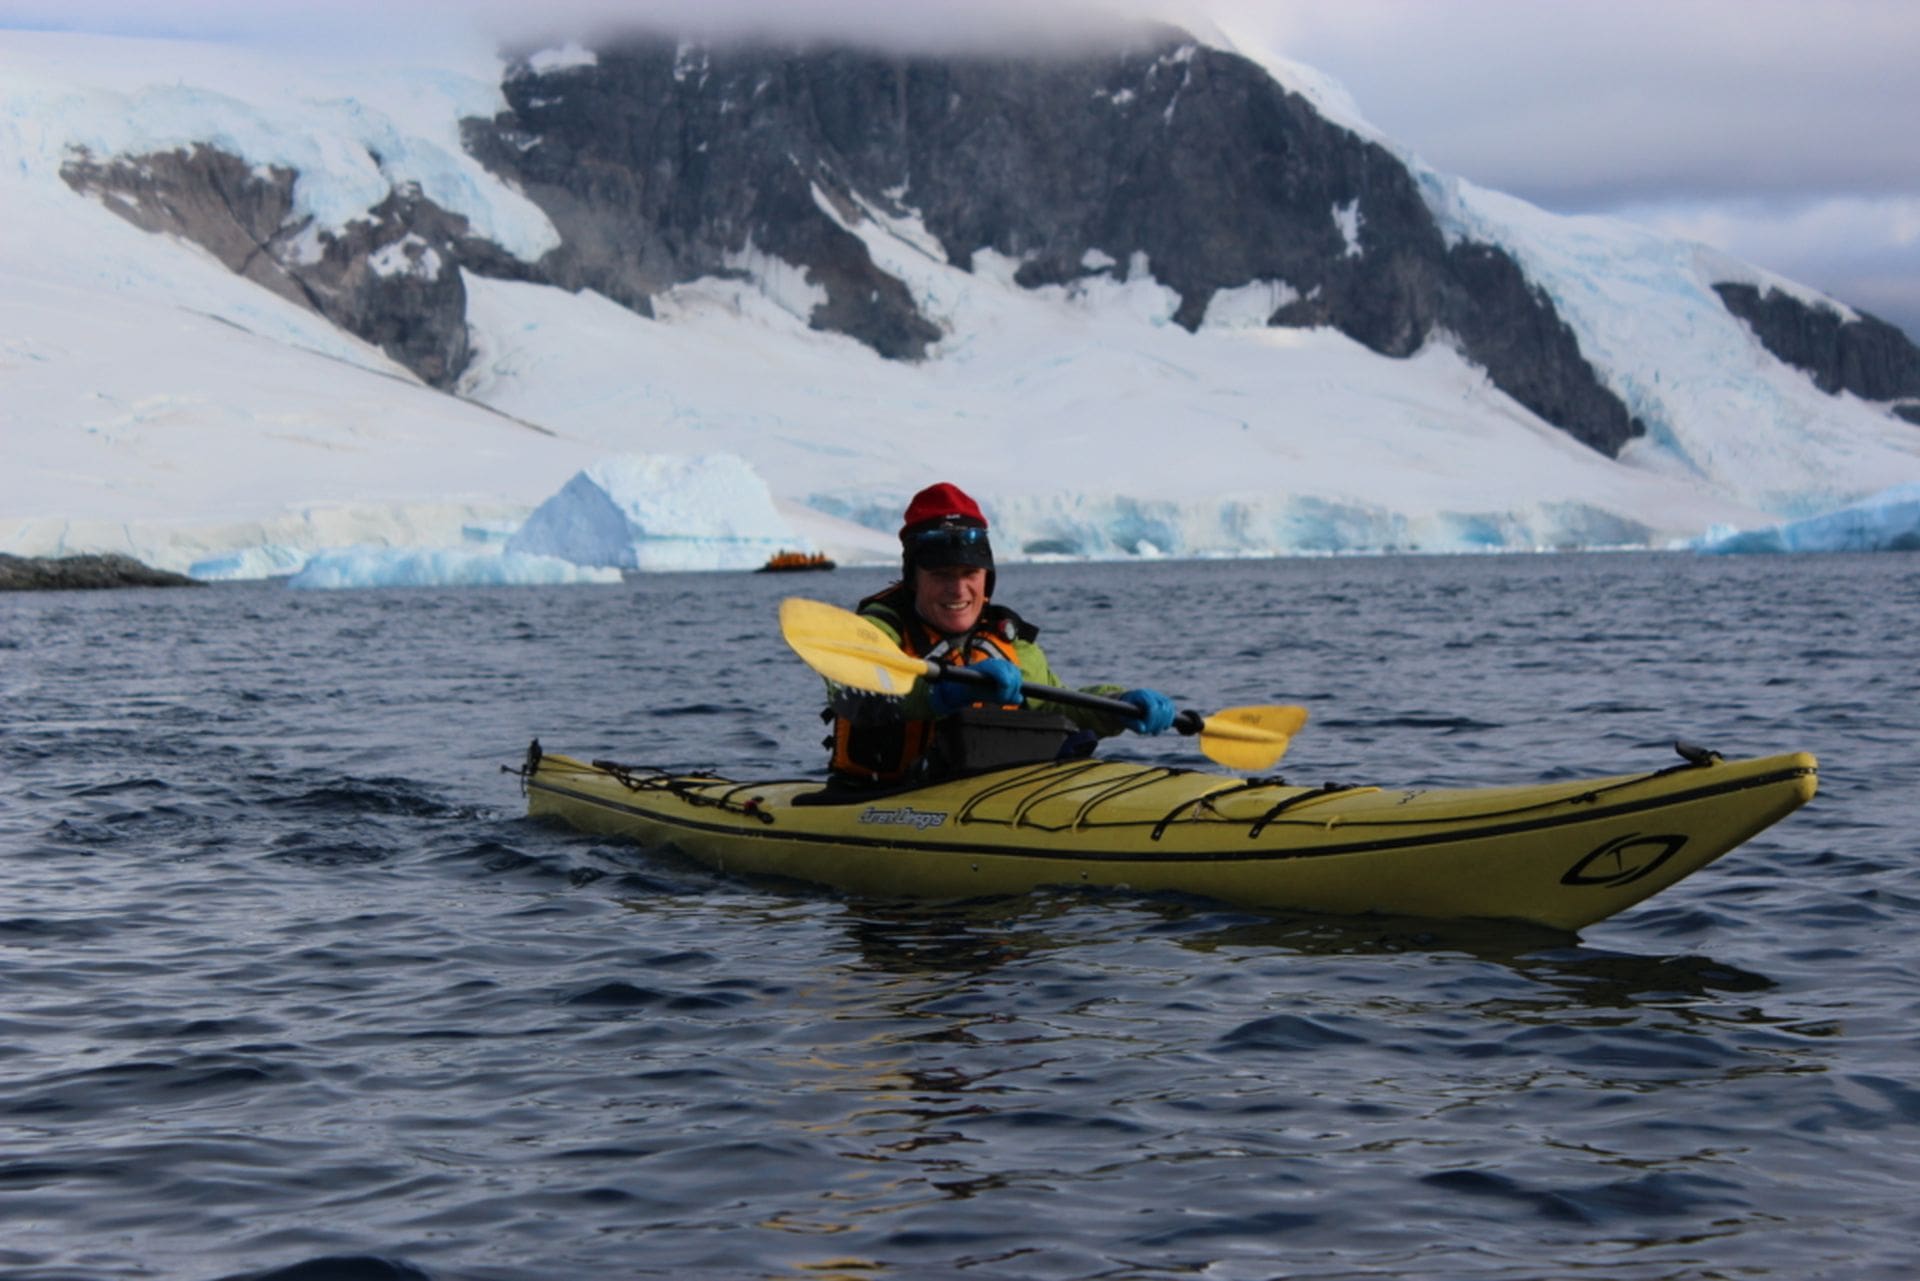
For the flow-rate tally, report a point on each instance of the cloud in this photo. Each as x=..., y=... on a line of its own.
x=1864, y=251
x=933, y=25
x=1594, y=103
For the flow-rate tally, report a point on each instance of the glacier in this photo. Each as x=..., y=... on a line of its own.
x=156, y=405
x=1886, y=521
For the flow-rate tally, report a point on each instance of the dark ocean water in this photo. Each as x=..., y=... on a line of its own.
x=289, y=987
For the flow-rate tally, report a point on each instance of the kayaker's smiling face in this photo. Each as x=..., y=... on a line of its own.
x=951, y=597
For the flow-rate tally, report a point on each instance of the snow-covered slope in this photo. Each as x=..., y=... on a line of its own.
x=153, y=403
x=1719, y=410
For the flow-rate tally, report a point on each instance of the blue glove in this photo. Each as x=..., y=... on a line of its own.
x=1156, y=711
x=948, y=694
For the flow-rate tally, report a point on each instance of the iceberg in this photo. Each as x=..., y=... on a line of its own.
x=660, y=512
x=440, y=567
x=1889, y=521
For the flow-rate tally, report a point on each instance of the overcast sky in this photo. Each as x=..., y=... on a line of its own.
x=1783, y=131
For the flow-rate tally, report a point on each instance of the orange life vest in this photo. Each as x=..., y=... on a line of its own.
x=872, y=742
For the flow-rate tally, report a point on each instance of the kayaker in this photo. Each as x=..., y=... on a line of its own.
x=942, y=608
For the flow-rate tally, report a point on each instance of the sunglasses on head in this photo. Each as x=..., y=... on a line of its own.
x=949, y=536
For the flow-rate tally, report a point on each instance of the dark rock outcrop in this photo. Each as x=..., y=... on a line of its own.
x=82, y=573
x=218, y=201
x=391, y=278
x=1868, y=357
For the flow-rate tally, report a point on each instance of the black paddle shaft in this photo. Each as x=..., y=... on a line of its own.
x=1186, y=722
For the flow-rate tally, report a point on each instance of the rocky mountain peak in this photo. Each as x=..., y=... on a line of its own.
x=662, y=161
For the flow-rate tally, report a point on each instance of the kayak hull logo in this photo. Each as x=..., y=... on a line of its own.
x=903, y=816
x=1623, y=860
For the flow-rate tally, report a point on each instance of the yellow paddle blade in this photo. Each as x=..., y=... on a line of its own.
x=846, y=648
x=1250, y=738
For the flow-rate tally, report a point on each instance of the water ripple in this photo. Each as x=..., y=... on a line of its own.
x=294, y=990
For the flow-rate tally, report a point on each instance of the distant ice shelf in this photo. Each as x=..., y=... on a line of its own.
x=441, y=567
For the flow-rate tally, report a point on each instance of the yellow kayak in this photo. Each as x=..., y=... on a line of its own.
x=1562, y=854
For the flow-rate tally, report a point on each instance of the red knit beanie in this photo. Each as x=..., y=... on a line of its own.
x=942, y=504
x=944, y=527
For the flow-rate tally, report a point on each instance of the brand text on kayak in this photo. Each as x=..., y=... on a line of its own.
x=905, y=816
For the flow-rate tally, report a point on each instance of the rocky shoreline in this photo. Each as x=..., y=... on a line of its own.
x=82, y=573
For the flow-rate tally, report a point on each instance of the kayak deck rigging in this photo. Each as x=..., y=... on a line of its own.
x=706, y=789
x=1108, y=786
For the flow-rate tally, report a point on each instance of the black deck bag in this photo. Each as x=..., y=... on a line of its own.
x=983, y=738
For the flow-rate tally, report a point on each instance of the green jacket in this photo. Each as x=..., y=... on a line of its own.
x=889, y=612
